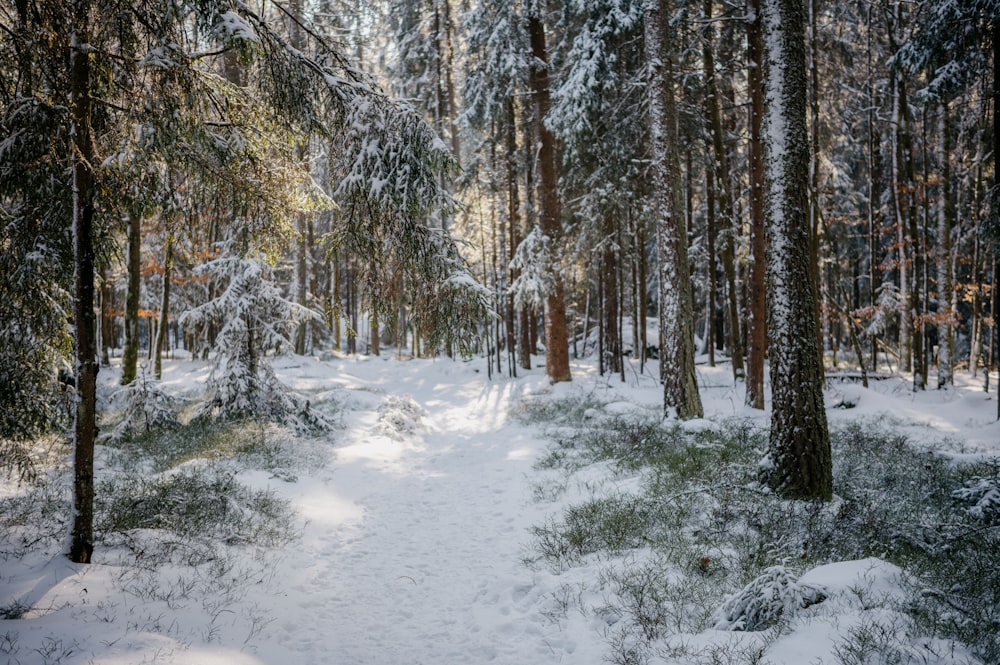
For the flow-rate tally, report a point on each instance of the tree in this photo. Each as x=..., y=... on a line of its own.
x=757, y=282
x=81, y=547
x=677, y=370
x=799, y=443
x=549, y=214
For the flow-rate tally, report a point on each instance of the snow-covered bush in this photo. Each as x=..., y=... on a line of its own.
x=147, y=408
x=774, y=594
x=984, y=495
x=400, y=417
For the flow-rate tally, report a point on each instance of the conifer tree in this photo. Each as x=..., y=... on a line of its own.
x=799, y=445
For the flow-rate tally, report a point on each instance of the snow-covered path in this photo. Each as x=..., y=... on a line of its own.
x=413, y=549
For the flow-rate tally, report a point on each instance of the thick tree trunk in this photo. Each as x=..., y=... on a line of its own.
x=677, y=370
x=799, y=445
x=81, y=546
x=756, y=287
x=556, y=331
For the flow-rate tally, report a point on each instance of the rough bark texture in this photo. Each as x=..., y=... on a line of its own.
x=81, y=547
x=677, y=371
x=756, y=287
x=556, y=336
x=799, y=446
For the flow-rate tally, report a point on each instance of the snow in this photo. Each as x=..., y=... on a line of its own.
x=415, y=520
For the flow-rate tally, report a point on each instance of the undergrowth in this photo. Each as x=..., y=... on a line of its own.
x=694, y=525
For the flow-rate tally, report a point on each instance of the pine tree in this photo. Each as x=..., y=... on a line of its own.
x=799, y=445
x=677, y=370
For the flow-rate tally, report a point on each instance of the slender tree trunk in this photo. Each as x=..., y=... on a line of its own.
x=799, y=445
x=946, y=212
x=130, y=354
x=163, y=328
x=756, y=287
x=899, y=219
x=915, y=254
x=556, y=331
x=609, y=298
x=874, y=195
x=815, y=214
x=711, y=231
x=727, y=216
x=513, y=234
x=81, y=546
x=106, y=297
x=296, y=39
x=677, y=369
x=643, y=296
x=996, y=196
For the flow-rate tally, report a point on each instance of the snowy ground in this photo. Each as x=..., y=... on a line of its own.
x=415, y=520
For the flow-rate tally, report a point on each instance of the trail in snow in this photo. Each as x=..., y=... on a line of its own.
x=414, y=546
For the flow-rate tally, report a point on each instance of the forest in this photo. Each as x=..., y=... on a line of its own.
x=806, y=182
x=778, y=194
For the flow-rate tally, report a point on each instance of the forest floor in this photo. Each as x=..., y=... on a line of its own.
x=409, y=534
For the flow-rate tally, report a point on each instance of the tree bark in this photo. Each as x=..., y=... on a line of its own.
x=799, y=444
x=556, y=332
x=756, y=287
x=677, y=370
x=81, y=546
x=130, y=354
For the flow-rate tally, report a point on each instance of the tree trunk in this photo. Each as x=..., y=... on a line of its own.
x=914, y=254
x=106, y=300
x=875, y=220
x=609, y=298
x=799, y=445
x=756, y=287
x=513, y=235
x=556, y=333
x=677, y=370
x=130, y=354
x=713, y=274
x=946, y=213
x=334, y=306
x=296, y=39
x=727, y=216
x=815, y=274
x=163, y=328
x=81, y=546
